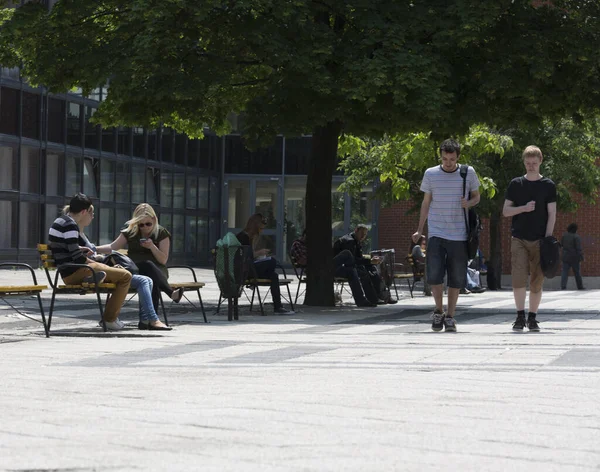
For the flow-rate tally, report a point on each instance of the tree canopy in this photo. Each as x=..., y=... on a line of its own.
x=363, y=67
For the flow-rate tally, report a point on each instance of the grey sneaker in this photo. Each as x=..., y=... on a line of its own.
x=283, y=311
x=450, y=324
x=116, y=325
x=100, y=276
x=437, y=323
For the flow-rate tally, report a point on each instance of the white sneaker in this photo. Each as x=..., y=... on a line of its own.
x=116, y=325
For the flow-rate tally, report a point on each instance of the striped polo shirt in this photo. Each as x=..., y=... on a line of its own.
x=445, y=219
x=63, y=239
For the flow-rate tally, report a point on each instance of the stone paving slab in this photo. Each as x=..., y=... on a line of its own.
x=327, y=389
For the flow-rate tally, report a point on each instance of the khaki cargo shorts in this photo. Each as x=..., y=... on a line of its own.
x=525, y=261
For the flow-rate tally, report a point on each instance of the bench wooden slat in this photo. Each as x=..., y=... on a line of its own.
x=267, y=281
x=22, y=288
x=190, y=285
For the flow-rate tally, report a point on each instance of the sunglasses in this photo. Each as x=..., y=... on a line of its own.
x=141, y=225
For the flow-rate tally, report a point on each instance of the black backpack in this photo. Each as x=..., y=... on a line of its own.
x=550, y=256
x=472, y=221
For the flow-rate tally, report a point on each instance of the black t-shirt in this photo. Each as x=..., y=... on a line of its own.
x=531, y=226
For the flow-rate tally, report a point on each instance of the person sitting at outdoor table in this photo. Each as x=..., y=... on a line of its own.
x=365, y=266
x=63, y=239
x=148, y=246
x=264, y=264
x=142, y=284
x=344, y=267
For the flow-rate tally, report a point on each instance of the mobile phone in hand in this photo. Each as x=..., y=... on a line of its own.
x=143, y=240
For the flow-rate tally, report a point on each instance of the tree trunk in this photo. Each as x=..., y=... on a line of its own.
x=319, y=284
x=494, y=262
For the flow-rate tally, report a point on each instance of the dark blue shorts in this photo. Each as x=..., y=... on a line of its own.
x=448, y=256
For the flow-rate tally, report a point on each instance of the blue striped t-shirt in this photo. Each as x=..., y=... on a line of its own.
x=445, y=218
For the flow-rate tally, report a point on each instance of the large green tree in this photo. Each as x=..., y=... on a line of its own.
x=364, y=67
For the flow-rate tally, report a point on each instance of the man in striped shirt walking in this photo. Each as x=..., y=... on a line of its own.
x=63, y=239
x=443, y=207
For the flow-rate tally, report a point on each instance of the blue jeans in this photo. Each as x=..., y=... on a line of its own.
x=144, y=285
x=444, y=255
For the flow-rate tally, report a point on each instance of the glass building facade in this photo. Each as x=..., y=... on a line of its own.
x=200, y=189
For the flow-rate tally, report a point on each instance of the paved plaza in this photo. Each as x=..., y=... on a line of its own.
x=339, y=389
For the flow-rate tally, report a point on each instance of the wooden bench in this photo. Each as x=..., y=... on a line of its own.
x=35, y=289
x=193, y=286
x=48, y=264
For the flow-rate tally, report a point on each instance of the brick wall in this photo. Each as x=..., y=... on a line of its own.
x=398, y=223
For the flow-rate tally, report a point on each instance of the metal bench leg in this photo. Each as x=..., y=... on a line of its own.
x=411, y=286
x=162, y=305
x=46, y=327
x=290, y=295
x=219, y=304
x=201, y=305
x=260, y=301
x=102, y=310
x=252, y=301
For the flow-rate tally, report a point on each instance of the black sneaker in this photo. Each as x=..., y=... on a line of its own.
x=532, y=324
x=519, y=323
x=437, y=323
x=450, y=324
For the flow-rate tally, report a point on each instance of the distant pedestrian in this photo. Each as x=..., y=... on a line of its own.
x=531, y=202
x=442, y=208
x=572, y=256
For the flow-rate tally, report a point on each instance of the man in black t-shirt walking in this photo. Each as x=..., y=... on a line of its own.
x=531, y=202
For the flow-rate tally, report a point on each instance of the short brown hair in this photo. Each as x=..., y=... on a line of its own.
x=533, y=151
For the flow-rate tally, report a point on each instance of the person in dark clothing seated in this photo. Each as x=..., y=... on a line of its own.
x=367, y=272
x=264, y=264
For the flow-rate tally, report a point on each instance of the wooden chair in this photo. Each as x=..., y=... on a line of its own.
x=254, y=283
x=300, y=272
x=416, y=275
x=8, y=291
x=193, y=286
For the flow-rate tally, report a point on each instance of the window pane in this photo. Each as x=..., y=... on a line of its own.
x=91, y=176
x=30, y=170
x=361, y=209
x=297, y=154
x=267, y=201
x=167, y=146
x=121, y=216
x=239, y=160
x=192, y=191
x=8, y=230
x=238, y=203
x=55, y=173
x=108, y=232
x=29, y=226
x=74, y=124
x=123, y=185
x=31, y=115
x=203, y=193
x=193, y=152
x=9, y=111
x=179, y=190
x=8, y=164
x=92, y=131
x=166, y=221
x=180, y=148
x=177, y=233
x=124, y=139
x=56, y=120
x=139, y=142
x=152, y=145
x=73, y=177
x=107, y=182
x=138, y=176
x=202, y=238
x=295, y=204
x=191, y=223
x=166, y=189
x=52, y=212
x=152, y=180
x=215, y=196
x=108, y=140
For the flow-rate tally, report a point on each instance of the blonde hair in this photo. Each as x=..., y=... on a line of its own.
x=141, y=212
x=533, y=151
